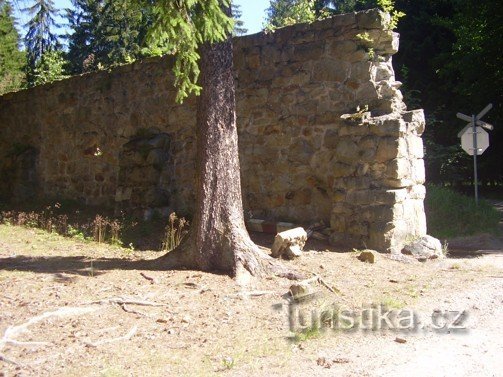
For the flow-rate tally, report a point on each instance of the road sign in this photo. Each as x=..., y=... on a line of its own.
x=467, y=142
x=475, y=140
x=478, y=122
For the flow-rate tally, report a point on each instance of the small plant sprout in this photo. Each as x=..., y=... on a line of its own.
x=228, y=362
x=175, y=231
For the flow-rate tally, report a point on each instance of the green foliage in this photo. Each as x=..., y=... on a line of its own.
x=389, y=7
x=289, y=12
x=450, y=214
x=11, y=58
x=49, y=68
x=450, y=61
x=365, y=37
x=183, y=26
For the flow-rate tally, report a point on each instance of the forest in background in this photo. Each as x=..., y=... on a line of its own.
x=449, y=60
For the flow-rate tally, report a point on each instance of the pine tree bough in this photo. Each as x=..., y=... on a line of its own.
x=218, y=240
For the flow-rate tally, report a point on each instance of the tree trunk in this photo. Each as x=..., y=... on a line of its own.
x=218, y=240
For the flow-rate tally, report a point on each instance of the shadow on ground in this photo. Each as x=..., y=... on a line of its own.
x=76, y=265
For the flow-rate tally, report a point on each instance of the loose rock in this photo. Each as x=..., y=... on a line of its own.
x=367, y=256
x=289, y=244
x=426, y=247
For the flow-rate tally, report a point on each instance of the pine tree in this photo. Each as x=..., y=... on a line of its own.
x=41, y=36
x=11, y=58
x=82, y=20
x=106, y=33
x=239, y=28
x=218, y=240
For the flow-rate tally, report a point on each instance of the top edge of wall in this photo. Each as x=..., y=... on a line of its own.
x=363, y=20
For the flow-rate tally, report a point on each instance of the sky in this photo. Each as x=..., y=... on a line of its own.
x=253, y=12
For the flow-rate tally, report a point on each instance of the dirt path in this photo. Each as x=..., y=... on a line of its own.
x=93, y=312
x=475, y=352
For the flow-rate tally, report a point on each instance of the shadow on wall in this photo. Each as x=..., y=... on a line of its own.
x=143, y=187
x=19, y=179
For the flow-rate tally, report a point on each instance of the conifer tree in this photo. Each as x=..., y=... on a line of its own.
x=11, y=58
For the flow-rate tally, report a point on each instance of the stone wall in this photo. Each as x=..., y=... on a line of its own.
x=323, y=134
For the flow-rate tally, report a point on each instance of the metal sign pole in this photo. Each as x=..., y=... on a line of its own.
x=478, y=141
x=475, y=152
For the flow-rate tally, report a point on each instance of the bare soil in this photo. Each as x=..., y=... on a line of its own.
x=71, y=308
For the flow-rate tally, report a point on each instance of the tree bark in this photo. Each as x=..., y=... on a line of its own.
x=218, y=239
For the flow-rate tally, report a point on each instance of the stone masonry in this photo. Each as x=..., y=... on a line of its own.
x=324, y=135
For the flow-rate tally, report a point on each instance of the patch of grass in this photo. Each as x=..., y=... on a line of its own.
x=306, y=334
x=392, y=303
x=455, y=266
x=413, y=292
x=111, y=372
x=175, y=231
x=451, y=214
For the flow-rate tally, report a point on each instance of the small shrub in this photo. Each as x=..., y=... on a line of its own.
x=450, y=214
x=101, y=229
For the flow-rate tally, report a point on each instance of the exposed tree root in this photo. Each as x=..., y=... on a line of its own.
x=14, y=331
x=247, y=260
x=9, y=361
x=128, y=336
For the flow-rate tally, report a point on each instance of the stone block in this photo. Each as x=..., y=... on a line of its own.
x=372, y=19
x=309, y=51
x=347, y=151
x=330, y=70
x=289, y=244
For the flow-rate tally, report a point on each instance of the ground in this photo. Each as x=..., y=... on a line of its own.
x=105, y=316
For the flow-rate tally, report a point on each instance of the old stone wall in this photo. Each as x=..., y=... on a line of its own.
x=323, y=134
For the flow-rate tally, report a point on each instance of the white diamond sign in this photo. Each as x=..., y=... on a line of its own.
x=467, y=140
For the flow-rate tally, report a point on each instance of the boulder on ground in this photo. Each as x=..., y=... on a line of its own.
x=289, y=244
x=367, y=256
x=424, y=248
x=302, y=289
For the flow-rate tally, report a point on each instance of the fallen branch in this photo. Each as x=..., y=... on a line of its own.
x=150, y=279
x=318, y=279
x=251, y=294
x=128, y=336
x=123, y=306
x=122, y=301
x=331, y=289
